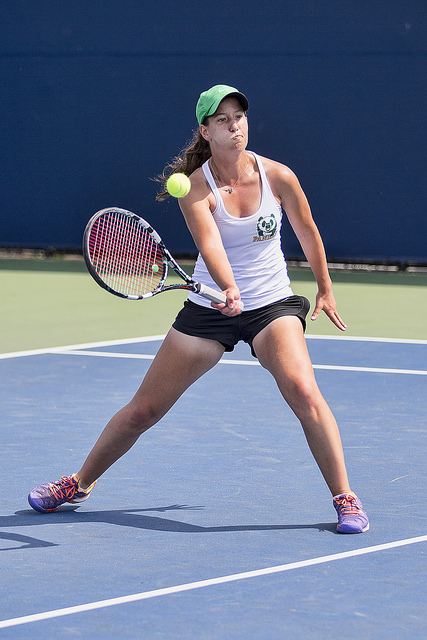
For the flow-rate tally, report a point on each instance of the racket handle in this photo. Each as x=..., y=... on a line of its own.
x=214, y=296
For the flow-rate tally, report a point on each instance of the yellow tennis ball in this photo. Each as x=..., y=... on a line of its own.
x=178, y=185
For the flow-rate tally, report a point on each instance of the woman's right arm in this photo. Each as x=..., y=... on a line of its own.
x=197, y=209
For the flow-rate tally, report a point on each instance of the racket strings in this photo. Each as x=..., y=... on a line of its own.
x=125, y=256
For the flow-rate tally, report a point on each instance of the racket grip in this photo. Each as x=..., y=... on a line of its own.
x=214, y=296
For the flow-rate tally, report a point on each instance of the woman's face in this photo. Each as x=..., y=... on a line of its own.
x=228, y=127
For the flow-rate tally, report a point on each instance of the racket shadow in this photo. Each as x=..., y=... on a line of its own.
x=25, y=542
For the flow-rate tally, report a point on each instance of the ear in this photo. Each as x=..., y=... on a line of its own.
x=204, y=132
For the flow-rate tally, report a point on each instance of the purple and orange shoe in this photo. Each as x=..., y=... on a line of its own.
x=351, y=517
x=48, y=497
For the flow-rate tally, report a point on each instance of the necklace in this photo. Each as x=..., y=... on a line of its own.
x=228, y=189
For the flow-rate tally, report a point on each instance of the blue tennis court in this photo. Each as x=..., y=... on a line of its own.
x=217, y=524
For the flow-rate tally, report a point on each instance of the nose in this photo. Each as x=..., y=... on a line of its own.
x=233, y=125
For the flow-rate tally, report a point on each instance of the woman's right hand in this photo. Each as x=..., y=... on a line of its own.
x=232, y=308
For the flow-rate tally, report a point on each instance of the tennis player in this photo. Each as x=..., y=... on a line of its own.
x=234, y=212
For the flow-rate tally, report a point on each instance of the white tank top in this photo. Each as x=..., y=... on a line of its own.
x=253, y=247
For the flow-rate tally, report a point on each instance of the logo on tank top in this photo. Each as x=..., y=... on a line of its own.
x=266, y=228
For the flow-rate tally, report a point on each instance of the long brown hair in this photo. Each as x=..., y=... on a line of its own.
x=187, y=161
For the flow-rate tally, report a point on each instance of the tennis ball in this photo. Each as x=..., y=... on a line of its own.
x=155, y=268
x=178, y=185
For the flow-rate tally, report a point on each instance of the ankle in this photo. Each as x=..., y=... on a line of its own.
x=83, y=486
x=345, y=492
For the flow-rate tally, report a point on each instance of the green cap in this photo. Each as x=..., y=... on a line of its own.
x=209, y=100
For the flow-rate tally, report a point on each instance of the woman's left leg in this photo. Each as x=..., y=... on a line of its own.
x=282, y=350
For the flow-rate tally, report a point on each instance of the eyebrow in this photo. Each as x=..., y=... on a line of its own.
x=223, y=113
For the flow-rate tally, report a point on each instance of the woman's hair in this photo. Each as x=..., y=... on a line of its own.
x=187, y=161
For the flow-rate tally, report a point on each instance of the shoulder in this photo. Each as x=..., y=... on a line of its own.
x=277, y=170
x=281, y=178
x=198, y=180
x=200, y=195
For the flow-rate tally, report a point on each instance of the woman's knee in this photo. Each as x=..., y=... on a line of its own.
x=304, y=397
x=140, y=416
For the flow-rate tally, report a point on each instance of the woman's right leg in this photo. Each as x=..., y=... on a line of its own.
x=180, y=361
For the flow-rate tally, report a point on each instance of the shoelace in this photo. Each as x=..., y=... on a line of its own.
x=64, y=488
x=348, y=505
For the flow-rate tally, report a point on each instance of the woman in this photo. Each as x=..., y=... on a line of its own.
x=233, y=212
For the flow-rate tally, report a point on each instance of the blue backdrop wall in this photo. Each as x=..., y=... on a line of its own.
x=98, y=95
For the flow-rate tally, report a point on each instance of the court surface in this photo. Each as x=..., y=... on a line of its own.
x=217, y=524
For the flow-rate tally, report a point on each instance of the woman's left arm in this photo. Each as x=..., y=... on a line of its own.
x=286, y=186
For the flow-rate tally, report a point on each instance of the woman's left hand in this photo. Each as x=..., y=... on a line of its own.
x=326, y=302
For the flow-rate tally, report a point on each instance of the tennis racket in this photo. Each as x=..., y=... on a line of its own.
x=128, y=258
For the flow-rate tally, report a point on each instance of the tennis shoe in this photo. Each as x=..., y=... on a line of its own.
x=351, y=517
x=48, y=497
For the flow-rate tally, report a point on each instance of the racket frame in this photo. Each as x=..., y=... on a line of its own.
x=167, y=259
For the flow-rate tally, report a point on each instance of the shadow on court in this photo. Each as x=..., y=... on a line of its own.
x=26, y=541
x=136, y=519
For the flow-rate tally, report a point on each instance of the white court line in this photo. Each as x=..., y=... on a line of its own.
x=104, y=354
x=79, y=349
x=366, y=339
x=414, y=372
x=86, y=345
x=110, y=343
x=145, y=595
x=251, y=363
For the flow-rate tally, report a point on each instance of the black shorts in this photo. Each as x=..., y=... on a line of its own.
x=205, y=322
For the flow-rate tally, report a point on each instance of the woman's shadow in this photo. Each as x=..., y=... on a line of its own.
x=135, y=518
